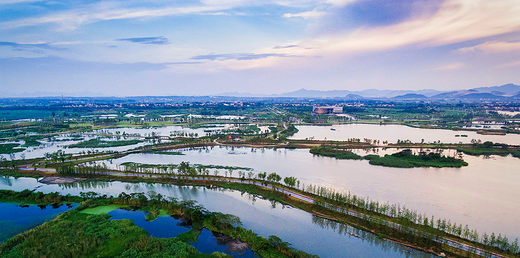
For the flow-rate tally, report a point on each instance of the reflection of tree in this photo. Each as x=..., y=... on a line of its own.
x=86, y=184
x=6, y=181
x=372, y=239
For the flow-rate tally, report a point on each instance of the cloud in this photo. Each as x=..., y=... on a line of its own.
x=72, y=19
x=340, y=3
x=509, y=65
x=17, y=1
x=305, y=15
x=453, y=66
x=286, y=46
x=492, y=47
x=147, y=40
x=237, y=56
x=455, y=21
x=30, y=47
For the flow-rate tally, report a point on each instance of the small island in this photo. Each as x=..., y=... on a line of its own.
x=402, y=159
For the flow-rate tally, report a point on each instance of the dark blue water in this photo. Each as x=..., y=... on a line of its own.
x=166, y=227
x=15, y=219
x=163, y=227
x=207, y=243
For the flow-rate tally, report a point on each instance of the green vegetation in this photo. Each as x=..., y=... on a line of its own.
x=96, y=143
x=166, y=152
x=334, y=153
x=9, y=148
x=402, y=159
x=405, y=159
x=28, y=196
x=102, y=209
x=75, y=234
x=84, y=233
x=490, y=148
x=290, y=131
x=169, y=169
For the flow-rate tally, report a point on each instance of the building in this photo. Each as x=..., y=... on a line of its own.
x=327, y=110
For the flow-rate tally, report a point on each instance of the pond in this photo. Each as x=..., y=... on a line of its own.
x=483, y=195
x=297, y=227
x=15, y=219
x=392, y=133
x=167, y=226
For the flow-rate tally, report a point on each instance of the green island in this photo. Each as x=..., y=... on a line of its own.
x=8, y=148
x=490, y=148
x=87, y=231
x=97, y=143
x=402, y=159
x=166, y=152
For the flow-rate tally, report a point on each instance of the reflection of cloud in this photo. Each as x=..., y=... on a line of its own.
x=147, y=40
x=237, y=56
x=493, y=46
x=454, y=66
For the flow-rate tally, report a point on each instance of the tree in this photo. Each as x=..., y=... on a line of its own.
x=290, y=181
x=273, y=177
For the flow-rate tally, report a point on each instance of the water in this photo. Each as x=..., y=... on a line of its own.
x=292, y=225
x=162, y=227
x=53, y=146
x=15, y=219
x=392, y=133
x=166, y=227
x=483, y=195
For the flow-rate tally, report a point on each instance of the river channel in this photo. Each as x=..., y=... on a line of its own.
x=483, y=195
x=304, y=231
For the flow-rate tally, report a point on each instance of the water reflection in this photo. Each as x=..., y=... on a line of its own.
x=262, y=216
x=372, y=239
x=455, y=194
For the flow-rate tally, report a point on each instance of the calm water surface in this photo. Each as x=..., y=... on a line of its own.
x=483, y=195
x=166, y=227
x=301, y=229
x=392, y=133
x=15, y=219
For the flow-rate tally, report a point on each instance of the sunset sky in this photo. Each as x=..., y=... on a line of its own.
x=160, y=47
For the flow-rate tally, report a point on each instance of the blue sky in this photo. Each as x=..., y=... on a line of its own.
x=164, y=47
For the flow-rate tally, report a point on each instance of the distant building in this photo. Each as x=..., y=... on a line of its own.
x=327, y=110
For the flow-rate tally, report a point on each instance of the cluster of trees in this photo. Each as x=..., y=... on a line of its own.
x=27, y=195
x=58, y=156
x=409, y=220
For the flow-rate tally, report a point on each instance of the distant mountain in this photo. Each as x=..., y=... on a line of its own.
x=506, y=89
x=241, y=94
x=303, y=93
x=481, y=93
x=353, y=97
x=481, y=96
x=40, y=94
x=370, y=93
x=410, y=96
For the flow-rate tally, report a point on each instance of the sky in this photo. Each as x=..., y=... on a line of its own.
x=207, y=47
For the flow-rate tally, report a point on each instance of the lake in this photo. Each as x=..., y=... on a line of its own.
x=483, y=195
x=303, y=230
x=15, y=219
x=167, y=226
x=392, y=133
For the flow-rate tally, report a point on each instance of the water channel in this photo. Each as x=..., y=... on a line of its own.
x=304, y=231
x=483, y=195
